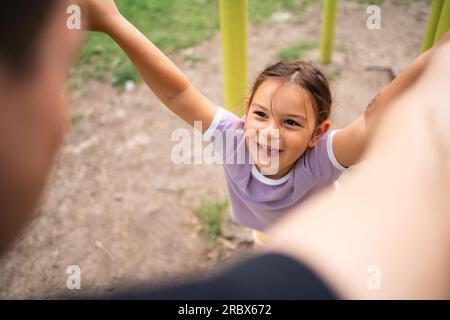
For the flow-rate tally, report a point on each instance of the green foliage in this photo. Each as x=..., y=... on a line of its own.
x=296, y=51
x=261, y=10
x=210, y=214
x=125, y=73
x=172, y=25
x=376, y=2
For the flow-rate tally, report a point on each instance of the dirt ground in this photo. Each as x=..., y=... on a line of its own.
x=121, y=210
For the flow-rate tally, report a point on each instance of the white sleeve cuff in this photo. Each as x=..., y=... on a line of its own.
x=214, y=124
x=330, y=152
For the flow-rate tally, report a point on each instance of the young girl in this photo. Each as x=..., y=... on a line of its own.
x=289, y=106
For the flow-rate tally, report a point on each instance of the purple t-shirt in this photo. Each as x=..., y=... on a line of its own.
x=257, y=201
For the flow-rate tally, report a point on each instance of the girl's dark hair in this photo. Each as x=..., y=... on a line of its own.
x=21, y=22
x=305, y=75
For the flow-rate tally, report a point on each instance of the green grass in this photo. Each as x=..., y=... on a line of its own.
x=76, y=118
x=210, y=214
x=125, y=73
x=193, y=59
x=297, y=50
x=403, y=3
x=172, y=25
x=371, y=2
x=261, y=10
x=381, y=2
x=341, y=48
x=332, y=75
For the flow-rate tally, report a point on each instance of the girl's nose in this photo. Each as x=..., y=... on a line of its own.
x=270, y=133
x=272, y=125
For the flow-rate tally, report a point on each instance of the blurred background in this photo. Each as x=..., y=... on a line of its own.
x=116, y=205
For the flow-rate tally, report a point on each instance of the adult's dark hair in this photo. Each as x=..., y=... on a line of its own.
x=21, y=22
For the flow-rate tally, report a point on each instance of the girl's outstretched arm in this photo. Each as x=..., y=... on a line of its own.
x=350, y=143
x=168, y=83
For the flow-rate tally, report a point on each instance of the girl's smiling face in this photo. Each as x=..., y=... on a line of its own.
x=282, y=117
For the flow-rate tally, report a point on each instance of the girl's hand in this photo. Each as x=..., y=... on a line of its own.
x=99, y=15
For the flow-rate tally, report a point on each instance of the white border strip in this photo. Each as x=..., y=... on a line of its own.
x=271, y=182
x=330, y=152
x=214, y=124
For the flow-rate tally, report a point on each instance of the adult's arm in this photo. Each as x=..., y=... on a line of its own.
x=391, y=222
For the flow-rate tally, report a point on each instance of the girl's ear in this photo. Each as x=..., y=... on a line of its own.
x=319, y=132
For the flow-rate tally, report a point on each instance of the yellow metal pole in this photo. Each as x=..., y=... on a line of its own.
x=234, y=32
x=444, y=21
x=328, y=27
x=433, y=21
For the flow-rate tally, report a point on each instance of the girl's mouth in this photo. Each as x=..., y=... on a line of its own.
x=267, y=151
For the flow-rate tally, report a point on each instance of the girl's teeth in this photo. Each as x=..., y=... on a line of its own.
x=265, y=151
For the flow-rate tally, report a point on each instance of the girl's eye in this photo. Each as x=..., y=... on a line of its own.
x=260, y=113
x=291, y=123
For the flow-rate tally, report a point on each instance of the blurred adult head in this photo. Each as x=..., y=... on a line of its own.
x=36, y=51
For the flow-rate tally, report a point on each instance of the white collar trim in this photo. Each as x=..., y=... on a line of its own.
x=271, y=182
